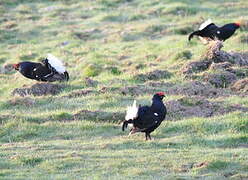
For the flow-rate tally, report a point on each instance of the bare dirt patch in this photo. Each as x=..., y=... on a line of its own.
x=195, y=67
x=221, y=79
x=196, y=88
x=198, y=107
x=39, y=89
x=154, y=75
x=240, y=85
x=213, y=56
x=222, y=68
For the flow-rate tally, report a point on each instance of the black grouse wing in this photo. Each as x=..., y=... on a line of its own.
x=28, y=69
x=208, y=31
x=225, y=31
x=41, y=73
x=146, y=118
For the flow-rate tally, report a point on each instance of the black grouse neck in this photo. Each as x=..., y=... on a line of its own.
x=157, y=102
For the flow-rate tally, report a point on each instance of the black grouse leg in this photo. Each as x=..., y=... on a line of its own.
x=148, y=137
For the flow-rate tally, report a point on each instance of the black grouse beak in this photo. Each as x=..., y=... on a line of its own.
x=16, y=66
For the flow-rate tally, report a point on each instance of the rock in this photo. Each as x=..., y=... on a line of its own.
x=39, y=89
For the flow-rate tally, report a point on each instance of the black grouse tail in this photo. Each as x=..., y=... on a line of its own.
x=66, y=75
x=125, y=124
x=196, y=33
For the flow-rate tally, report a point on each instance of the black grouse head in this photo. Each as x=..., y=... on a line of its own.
x=159, y=95
x=16, y=66
x=45, y=61
x=236, y=25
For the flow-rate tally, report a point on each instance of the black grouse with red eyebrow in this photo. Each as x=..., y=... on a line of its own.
x=209, y=30
x=146, y=118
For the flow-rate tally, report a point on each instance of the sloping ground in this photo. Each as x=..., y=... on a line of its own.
x=117, y=51
x=220, y=68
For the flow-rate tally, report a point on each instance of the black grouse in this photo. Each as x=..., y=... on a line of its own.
x=51, y=69
x=146, y=118
x=209, y=31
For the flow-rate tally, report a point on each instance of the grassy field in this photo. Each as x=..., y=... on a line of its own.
x=117, y=43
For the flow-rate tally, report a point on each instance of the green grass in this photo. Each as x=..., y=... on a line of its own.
x=116, y=43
